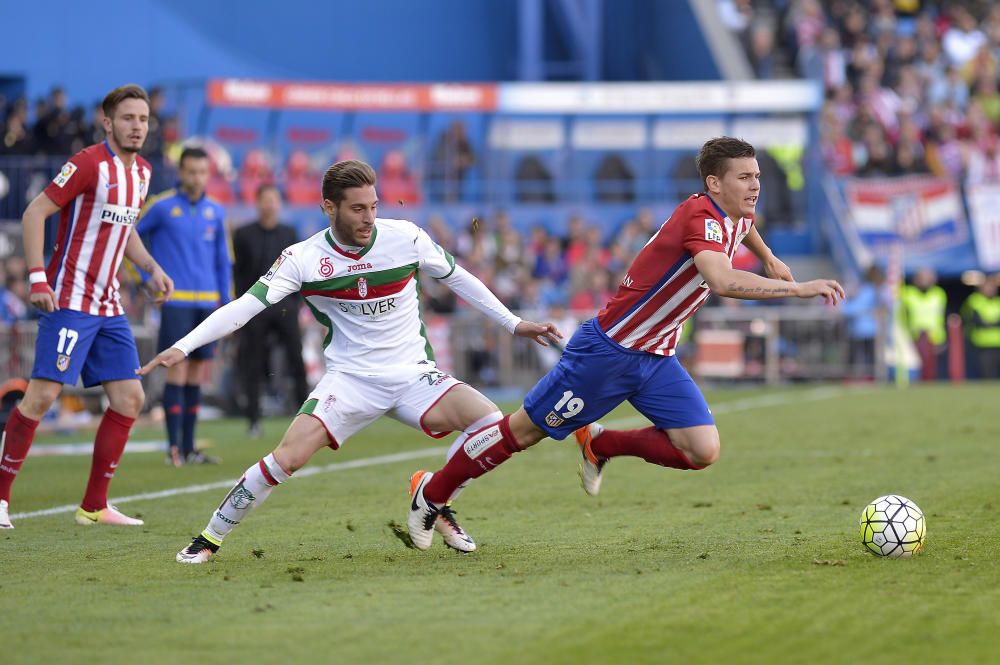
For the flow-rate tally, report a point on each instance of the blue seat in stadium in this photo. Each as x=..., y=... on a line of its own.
x=238, y=130
x=318, y=133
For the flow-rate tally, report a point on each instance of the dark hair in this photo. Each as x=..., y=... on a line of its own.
x=345, y=175
x=714, y=156
x=120, y=94
x=192, y=152
x=264, y=188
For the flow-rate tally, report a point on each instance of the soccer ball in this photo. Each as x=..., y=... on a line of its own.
x=892, y=526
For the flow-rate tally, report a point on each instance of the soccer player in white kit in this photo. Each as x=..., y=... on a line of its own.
x=359, y=277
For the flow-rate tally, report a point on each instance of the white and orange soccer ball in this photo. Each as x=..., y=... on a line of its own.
x=893, y=526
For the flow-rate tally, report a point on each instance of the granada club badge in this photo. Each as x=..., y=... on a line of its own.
x=362, y=287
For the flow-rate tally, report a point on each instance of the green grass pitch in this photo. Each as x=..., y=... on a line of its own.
x=755, y=560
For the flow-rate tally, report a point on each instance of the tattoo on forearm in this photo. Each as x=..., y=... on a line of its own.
x=758, y=291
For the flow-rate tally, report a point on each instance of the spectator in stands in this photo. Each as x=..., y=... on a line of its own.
x=534, y=181
x=154, y=149
x=983, y=163
x=575, y=243
x=17, y=138
x=256, y=248
x=836, y=147
x=254, y=173
x=963, y=38
x=551, y=265
x=450, y=162
x=987, y=97
x=908, y=161
x=981, y=317
x=614, y=180
x=595, y=292
x=300, y=180
x=944, y=151
x=397, y=185
x=93, y=132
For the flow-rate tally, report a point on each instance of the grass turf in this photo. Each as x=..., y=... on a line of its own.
x=755, y=560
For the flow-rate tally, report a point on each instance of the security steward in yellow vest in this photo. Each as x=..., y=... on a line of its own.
x=923, y=305
x=981, y=316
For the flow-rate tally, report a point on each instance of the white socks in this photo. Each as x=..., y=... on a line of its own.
x=253, y=489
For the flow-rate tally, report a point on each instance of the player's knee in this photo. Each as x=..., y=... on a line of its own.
x=38, y=398
x=705, y=450
x=129, y=402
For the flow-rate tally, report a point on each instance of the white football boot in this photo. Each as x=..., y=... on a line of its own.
x=591, y=466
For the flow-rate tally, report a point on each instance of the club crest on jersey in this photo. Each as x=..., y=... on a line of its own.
x=142, y=187
x=362, y=287
x=713, y=230
x=62, y=362
x=553, y=420
x=68, y=169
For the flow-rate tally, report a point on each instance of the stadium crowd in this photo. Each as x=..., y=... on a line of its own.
x=911, y=85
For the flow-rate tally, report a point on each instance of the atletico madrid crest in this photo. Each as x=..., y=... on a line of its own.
x=552, y=420
x=62, y=362
x=362, y=287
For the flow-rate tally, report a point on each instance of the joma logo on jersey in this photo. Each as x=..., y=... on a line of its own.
x=359, y=266
x=116, y=214
x=372, y=309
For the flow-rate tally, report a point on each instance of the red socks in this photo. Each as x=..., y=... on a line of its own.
x=482, y=451
x=17, y=438
x=109, y=444
x=650, y=443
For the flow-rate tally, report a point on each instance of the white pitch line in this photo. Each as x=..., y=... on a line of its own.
x=733, y=406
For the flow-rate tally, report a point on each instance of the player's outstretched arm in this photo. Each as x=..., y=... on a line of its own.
x=477, y=294
x=722, y=278
x=227, y=319
x=540, y=333
x=167, y=358
x=773, y=266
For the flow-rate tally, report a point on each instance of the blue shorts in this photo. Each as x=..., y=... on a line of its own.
x=595, y=375
x=177, y=321
x=69, y=343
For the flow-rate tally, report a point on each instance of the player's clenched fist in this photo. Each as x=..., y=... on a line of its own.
x=41, y=296
x=167, y=358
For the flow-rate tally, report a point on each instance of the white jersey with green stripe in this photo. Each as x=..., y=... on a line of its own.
x=368, y=301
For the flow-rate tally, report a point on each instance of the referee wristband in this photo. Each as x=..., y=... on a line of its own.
x=37, y=276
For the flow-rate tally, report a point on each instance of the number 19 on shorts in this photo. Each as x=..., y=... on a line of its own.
x=565, y=408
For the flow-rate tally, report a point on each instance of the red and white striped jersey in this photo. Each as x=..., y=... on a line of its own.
x=100, y=200
x=663, y=287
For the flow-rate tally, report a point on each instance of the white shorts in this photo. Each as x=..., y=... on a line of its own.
x=347, y=403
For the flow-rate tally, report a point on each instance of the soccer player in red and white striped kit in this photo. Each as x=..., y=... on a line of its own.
x=83, y=331
x=626, y=353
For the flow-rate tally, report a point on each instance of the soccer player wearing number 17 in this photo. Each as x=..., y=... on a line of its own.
x=359, y=278
x=100, y=191
x=627, y=351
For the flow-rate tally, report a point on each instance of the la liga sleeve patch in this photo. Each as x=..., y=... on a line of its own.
x=67, y=171
x=713, y=231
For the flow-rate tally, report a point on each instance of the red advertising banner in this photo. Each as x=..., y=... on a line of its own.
x=246, y=93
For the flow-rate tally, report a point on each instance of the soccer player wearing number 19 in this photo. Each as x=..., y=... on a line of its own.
x=359, y=278
x=627, y=351
x=100, y=191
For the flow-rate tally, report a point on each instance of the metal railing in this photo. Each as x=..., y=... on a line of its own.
x=765, y=344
